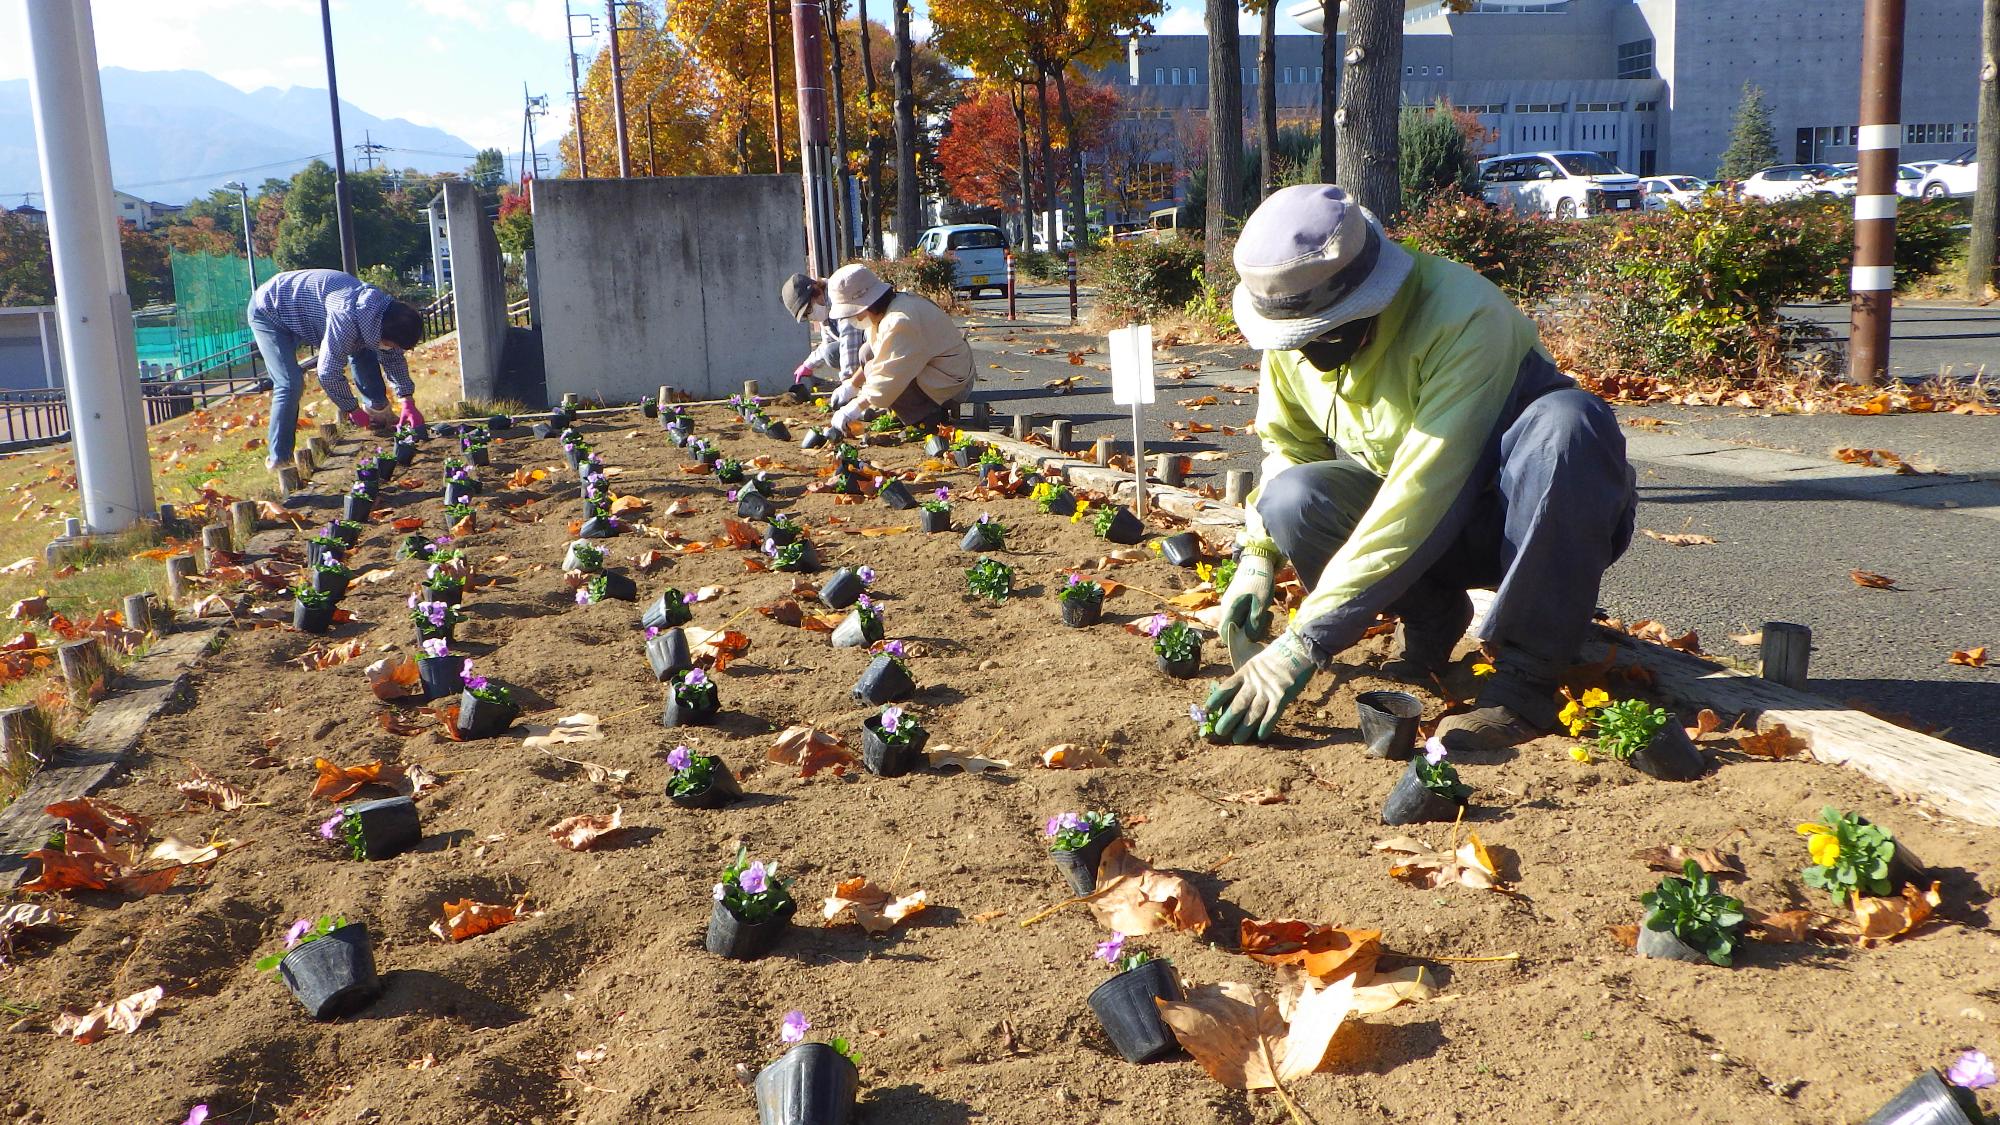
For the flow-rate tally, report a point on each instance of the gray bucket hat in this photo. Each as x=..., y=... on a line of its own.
x=1311, y=259
x=796, y=293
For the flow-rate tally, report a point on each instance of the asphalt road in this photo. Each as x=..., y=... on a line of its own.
x=1782, y=552
x=1926, y=339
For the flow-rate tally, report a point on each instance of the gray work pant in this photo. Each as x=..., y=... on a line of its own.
x=1540, y=529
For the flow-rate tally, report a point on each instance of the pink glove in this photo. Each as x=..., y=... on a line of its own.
x=359, y=417
x=412, y=417
x=803, y=372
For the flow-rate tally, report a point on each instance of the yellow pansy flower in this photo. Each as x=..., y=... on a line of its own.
x=1082, y=506
x=1482, y=669
x=1571, y=712
x=1580, y=753
x=1595, y=698
x=1825, y=849
x=1204, y=571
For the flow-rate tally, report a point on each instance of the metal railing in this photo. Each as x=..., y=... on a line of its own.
x=440, y=317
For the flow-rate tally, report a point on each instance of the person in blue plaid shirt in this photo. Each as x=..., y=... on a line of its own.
x=348, y=319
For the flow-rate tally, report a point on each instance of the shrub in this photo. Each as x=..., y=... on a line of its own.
x=1038, y=266
x=927, y=275
x=1526, y=255
x=1143, y=276
x=1433, y=157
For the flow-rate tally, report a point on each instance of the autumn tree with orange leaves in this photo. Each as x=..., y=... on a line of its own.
x=984, y=139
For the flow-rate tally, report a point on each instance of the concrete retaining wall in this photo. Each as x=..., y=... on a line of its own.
x=669, y=280
x=479, y=293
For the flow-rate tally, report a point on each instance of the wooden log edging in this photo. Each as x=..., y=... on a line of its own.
x=1950, y=778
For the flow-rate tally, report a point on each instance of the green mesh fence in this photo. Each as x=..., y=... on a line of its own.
x=211, y=292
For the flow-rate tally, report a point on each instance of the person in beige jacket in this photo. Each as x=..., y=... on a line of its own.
x=919, y=366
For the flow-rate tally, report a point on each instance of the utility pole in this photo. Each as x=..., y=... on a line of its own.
x=652, y=143
x=576, y=94
x=618, y=92
x=343, y=204
x=777, y=88
x=1873, y=283
x=815, y=151
x=368, y=148
x=100, y=367
x=843, y=181
x=249, y=238
x=1986, y=193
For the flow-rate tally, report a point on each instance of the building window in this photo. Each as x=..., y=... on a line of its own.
x=1635, y=59
x=1319, y=75
x=1159, y=76
x=1645, y=107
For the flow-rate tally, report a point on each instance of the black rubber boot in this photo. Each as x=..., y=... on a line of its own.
x=1516, y=704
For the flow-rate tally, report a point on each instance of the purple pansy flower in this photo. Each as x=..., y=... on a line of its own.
x=680, y=757
x=944, y=494
x=1155, y=624
x=197, y=1115
x=297, y=931
x=892, y=719
x=771, y=547
x=1433, y=750
x=755, y=880
x=652, y=631
x=731, y=495
x=583, y=595
x=718, y=892
x=1973, y=1071
x=866, y=574
x=435, y=646
x=691, y=597
x=865, y=602
x=893, y=648
x=695, y=678
x=330, y=824
x=1110, y=951
x=794, y=1027
x=1196, y=713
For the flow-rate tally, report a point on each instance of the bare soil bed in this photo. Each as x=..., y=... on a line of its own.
x=963, y=1014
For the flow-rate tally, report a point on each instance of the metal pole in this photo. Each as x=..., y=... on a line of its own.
x=1072, y=286
x=576, y=94
x=777, y=90
x=249, y=239
x=1011, y=314
x=618, y=92
x=108, y=432
x=1138, y=461
x=1874, y=278
x=343, y=211
x=815, y=147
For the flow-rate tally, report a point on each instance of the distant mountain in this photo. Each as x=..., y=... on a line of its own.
x=177, y=133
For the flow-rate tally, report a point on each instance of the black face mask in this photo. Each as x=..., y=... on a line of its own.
x=1335, y=348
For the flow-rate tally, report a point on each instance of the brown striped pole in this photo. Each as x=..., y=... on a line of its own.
x=1873, y=283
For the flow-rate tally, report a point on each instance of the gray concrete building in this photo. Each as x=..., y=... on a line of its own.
x=1653, y=85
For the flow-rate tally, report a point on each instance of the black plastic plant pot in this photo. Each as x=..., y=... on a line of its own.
x=1929, y=1100
x=896, y=494
x=754, y=505
x=665, y=610
x=331, y=583
x=1186, y=669
x=975, y=539
x=415, y=547
x=1079, y=865
x=598, y=527
x=732, y=937
x=936, y=445
x=542, y=430
x=483, y=718
x=426, y=632
x=885, y=681
x=779, y=536
x=334, y=975
x=857, y=631
x=811, y=1084
x=1670, y=755
x=808, y=561
x=1124, y=1006
x=312, y=618
x=406, y=452
x=709, y=457
x=355, y=508
x=319, y=555
x=499, y=423
x=1666, y=946
x=449, y=595
x=1388, y=723
x=1125, y=528
x=478, y=455
x=573, y=456
x=813, y=440
x=347, y=535
x=1183, y=549
x=679, y=714
x=887, y=759
x=667, y=652
x=1411, y=803
x=964, y=457
x=778, y=431
x=389, y=827
x=649, y=409
x=441, y=676
x=1082, y=613
x=1062, y=505
x=934, y=522
x=620, y=587
x=456, y=493
x=841, y=590
x=720, y=790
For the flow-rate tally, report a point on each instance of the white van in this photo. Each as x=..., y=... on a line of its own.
x=1561, y=185
x=978, y=253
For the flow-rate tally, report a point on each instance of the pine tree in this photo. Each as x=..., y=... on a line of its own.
x=1752, y=147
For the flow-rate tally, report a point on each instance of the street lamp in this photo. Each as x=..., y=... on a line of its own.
x=242, y=191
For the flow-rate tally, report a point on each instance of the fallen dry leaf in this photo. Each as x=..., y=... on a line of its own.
x=580, y=727
x=324, y=654
x=100, y=819
x=1776, y=742
x=118, y=1015
x=942, y=757
x=395, y=676
x=1471, y=864
x=1659, y=634
x=1072, y=756
x=875, y=909
x=1134, y=898
x=421, y=779
x=1705, y=724
x=1268, y=795
x=467, y=918
x=721, y=646
x=1248, y=1040
x=1784, y=928
x=582, y=833
x=204, y=786
x=337, y=783
x=183, y=854
x=1379, y=992
x=1327, y=952
x=1871, y=580
x=1678, y=538
x=1674, y=857
x=1880, y=919
x=1970, y=658
x=812, y=751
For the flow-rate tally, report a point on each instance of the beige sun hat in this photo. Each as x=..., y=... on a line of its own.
x=852, y=289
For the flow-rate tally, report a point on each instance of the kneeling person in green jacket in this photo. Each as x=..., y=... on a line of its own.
x=1418, y=443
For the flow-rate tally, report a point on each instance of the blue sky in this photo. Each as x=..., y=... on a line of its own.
x=454, y=64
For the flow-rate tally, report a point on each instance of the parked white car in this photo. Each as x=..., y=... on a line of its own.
x=1955, y=178
x=1683, y=192
x=1791, y=181
x=978, y=253
x=1908, y=177
x=1562, y=185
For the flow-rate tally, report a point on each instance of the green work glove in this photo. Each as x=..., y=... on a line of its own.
x=1259, y=692
x=1246, y=604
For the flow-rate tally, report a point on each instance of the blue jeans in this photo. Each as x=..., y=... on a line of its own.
x=280, y=349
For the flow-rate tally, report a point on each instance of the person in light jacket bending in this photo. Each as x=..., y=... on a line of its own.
x=919, y=364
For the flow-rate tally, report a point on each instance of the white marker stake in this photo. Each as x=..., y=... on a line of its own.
x=1132, y=385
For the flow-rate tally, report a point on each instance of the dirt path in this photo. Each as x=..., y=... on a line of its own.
x=963, y=1015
